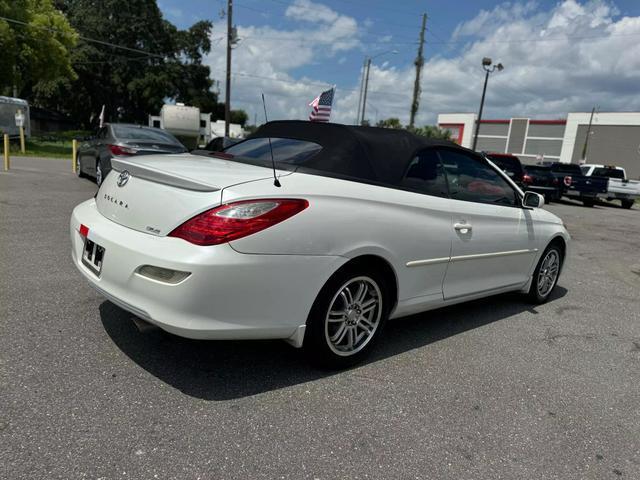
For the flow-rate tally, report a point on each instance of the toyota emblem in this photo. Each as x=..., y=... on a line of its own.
x=123, y=178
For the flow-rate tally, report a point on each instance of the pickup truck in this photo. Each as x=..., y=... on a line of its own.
x=575, y=185
x=539, y=179
x=620, y=188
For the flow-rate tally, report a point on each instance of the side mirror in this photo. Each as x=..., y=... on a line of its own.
x=532, y=200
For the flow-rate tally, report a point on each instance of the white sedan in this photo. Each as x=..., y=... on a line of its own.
x=360, y=226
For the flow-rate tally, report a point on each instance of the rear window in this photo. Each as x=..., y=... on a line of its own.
x=285, y=150
x=608, y=172
x=537, y=169
x=566, y=168
x=510, y=165
x=131, y=132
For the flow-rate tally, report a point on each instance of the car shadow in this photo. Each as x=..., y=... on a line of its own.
x=225, y=370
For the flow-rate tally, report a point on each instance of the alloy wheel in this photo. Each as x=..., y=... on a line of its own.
x=548, y=273
x=354, y=315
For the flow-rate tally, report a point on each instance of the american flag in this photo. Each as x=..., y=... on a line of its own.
x=321, y=110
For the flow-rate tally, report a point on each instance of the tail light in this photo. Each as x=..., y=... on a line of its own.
x=555, y=181
x=236, y=220
x=567, y=181
x=120, y=151
x=527, y=178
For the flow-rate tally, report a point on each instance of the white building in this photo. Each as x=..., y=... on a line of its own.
x=614, y=137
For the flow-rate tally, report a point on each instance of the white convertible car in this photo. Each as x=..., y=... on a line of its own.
x=361, y=225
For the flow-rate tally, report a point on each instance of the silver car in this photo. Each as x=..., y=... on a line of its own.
x=118, y=140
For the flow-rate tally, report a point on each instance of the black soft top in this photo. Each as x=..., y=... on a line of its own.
x=372, y=154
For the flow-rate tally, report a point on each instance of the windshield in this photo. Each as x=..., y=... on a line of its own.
x=285, y=150
x=132, y=132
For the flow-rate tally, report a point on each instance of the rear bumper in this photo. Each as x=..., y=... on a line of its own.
x=229, y=295
x=619, y=196
x=579, y=194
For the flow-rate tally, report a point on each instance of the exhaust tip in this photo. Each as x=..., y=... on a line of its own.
x=143, y=326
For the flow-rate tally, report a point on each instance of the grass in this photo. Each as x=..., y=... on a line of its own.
x=56, y=145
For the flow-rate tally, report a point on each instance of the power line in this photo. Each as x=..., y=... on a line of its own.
x=535, y=40
x=86, y=39
x=322, y=85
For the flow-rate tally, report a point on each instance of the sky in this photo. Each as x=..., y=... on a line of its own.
x=560, y=56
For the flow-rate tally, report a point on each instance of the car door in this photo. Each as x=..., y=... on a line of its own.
x=89, y=152
x=494, y=238
x=426, y=255
x=84, y=153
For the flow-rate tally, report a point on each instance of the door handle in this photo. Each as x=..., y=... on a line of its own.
x=463, y=227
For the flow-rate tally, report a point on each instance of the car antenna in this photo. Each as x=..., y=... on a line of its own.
x=276, y=182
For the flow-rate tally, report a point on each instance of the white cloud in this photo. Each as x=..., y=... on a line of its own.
x=311, y=12
x=569, y=58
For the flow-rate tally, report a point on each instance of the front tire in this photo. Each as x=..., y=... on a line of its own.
x=347, y=317
x=626, y=203
x=545, y=276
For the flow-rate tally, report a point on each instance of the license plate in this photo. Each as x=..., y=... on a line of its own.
x=92, y=256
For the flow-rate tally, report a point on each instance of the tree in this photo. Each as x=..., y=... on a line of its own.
x=390, y=123
x=431, y=131
x=35, y=57
x=239, y=116
x=164, y=63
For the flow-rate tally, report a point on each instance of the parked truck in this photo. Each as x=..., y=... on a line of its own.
x=577, y=186
x=620, y=187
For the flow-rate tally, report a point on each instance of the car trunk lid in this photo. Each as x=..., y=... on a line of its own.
x=156, y=193
x=144, y=147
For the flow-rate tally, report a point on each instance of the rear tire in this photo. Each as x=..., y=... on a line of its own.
x=347, y=317
x=627, y=203
x=545, y=276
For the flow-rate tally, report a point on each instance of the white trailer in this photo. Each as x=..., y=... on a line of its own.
x=187, y=123
x=9, y=107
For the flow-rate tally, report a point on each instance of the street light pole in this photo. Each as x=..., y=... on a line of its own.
x=486, y=63
x=484, y=91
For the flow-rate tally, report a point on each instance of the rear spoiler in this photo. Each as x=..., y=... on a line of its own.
x=148, y=173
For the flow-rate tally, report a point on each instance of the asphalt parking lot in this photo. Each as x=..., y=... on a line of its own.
x=491, y=389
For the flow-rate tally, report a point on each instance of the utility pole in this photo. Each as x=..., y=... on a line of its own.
x=366, y=86
x=586, y=138
x=419, y=63
x=227, y=93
